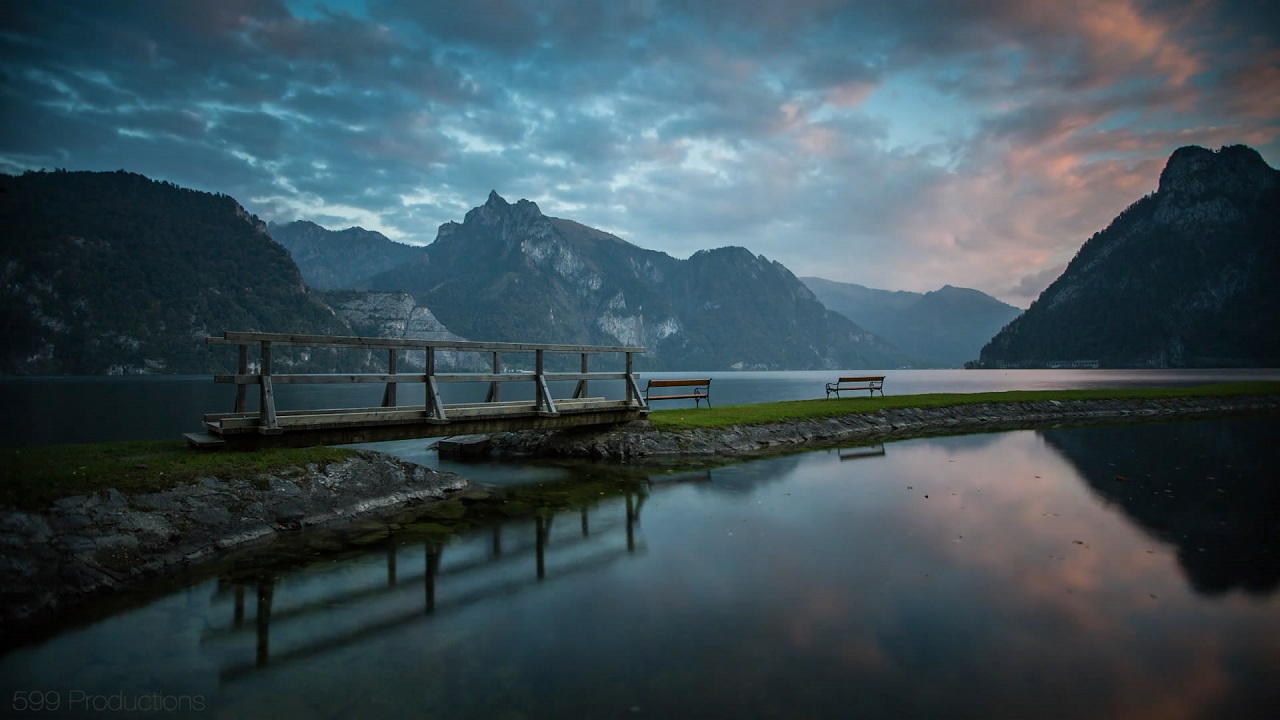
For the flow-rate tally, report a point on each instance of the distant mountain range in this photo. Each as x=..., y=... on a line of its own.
x=1184, y=277
x=508, y=272
x=332, y=260
x=943, y=328
x=116, y=273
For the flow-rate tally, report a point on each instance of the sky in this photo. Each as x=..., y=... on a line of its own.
x=901, y=145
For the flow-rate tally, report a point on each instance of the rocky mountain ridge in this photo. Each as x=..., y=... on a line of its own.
x=508, y=272
x=1183, y=277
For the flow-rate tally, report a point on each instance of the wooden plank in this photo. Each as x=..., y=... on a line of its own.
x=556, y=377
x=338, y=341
x=512, y=403
x=433, y=398
x=492, y=410
x=546, y=405
x=324, y=378
x=484, y=377
x=347, y=378
x=634, y=396
x=389, y=394
x=268, y=399
x=352, y=418
x=495, y=389
x=242, y=367
x=204, y=441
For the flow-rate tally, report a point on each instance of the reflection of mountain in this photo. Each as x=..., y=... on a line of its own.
x=1205, y=487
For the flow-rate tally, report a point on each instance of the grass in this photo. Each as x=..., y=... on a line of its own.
x=765, y=413
x=34, y=477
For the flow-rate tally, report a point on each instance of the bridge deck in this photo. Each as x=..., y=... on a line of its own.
x=271, y=427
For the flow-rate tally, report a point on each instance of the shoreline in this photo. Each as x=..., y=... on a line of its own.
x=98, y=545
x=95, y=545
x=640, y=442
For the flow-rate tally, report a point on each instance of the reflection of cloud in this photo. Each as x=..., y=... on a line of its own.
x=1010, y=583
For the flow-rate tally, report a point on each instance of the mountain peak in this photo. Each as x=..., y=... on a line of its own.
x=495, y=200
x=1233, y=168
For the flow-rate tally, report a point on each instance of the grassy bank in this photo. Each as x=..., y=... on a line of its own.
x=764, y=413
x=35, y=477
x=32, y=478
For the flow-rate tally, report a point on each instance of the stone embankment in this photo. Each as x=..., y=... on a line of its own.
x=640, y=441
x=91, y=545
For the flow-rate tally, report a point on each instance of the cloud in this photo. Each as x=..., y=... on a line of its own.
x=903, y=145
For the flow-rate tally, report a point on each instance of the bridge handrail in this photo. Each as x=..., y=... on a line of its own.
x=354, y=341
x=264, y=378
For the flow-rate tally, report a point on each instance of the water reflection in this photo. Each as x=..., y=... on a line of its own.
x=307, y=612
x=859, y=452
x=991, y=576
x=1215, y=498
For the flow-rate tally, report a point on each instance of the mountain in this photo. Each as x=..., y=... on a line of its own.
x=510, y=273
x=398, y=315
x=1183, y=277
x=332, y=259
x=116, y=273
x=943, y=328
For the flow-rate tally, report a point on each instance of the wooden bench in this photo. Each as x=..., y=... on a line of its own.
x=871, y=383
x=701, y=390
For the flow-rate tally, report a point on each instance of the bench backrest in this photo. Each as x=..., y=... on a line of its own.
x=678, y=383
x=870, y=378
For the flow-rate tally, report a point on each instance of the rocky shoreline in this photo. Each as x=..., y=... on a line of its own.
x=94, y=545
x=641, y=442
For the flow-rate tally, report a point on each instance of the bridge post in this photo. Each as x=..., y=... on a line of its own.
x=267, y=424
x=243, y=369
x=581, y=390
x=434, y=408
x=494, y=392
x=389, y=395
x=631, y=397
x=545, y=404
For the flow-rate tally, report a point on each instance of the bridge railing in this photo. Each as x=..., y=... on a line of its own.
x=263, y=376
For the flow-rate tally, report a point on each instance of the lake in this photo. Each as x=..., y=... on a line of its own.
x=1094, y=572
x=44, y=411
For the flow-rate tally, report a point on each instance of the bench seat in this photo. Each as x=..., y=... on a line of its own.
x=871, y=383
x=701, y=390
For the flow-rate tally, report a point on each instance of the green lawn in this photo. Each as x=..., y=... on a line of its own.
x=763, y=413
x=35, y=477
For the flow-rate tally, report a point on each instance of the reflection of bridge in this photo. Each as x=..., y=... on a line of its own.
x=860, y=451
x=300, y=615
x=270, y=426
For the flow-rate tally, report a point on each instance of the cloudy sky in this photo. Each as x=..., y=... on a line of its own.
x=900, y=145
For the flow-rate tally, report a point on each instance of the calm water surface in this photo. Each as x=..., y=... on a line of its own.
x=44, y=411
x=1106, y=572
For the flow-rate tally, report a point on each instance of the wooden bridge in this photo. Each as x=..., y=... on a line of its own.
x=270, y=426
